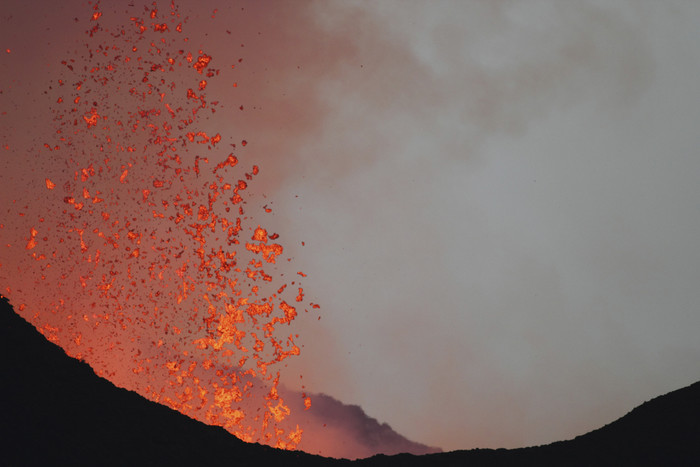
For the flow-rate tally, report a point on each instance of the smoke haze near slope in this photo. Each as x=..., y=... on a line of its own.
x=497, y=202
x=507, y=190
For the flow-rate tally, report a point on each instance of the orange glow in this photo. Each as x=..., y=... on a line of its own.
x=202, y=62
x=260, y=235
x=170, y=288
x=92, y=119
x=32, y=239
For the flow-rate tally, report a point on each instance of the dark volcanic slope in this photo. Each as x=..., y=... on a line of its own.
x=662, y=432
x=56, y=411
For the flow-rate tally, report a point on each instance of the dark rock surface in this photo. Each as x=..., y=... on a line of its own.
x=56, y=411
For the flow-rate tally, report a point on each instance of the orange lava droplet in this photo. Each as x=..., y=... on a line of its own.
x=50, y=185
x=260, y=234
x=7, y=50
x=123, y=176
x=307, y=403
x=92, y=119
x=32, y=239
x=201, y=63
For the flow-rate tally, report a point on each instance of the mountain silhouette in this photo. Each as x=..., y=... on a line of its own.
x=664, y=431
x=334, y=429
x=56, y=411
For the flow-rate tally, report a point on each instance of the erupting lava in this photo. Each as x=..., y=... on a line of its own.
x=157, y=277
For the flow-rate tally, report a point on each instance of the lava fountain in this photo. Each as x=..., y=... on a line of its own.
x=134, y=251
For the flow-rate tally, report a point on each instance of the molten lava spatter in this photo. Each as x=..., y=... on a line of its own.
x=158, y=278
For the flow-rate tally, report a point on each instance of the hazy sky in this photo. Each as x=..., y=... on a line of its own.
x=498, y=200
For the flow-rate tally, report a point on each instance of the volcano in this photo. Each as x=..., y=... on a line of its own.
x=58, y=411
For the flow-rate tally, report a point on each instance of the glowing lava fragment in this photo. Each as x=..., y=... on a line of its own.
x=260, y=234
x=32, y=239
x=92, y=119
x=123, y=176
x=201, y=63
x=50, y=185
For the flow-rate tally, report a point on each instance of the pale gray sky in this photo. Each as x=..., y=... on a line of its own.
x=507, y=254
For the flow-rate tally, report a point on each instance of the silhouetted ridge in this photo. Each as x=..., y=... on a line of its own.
x=367, y=429
x=664, y=431
x=56, y=411
x=362, y=435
